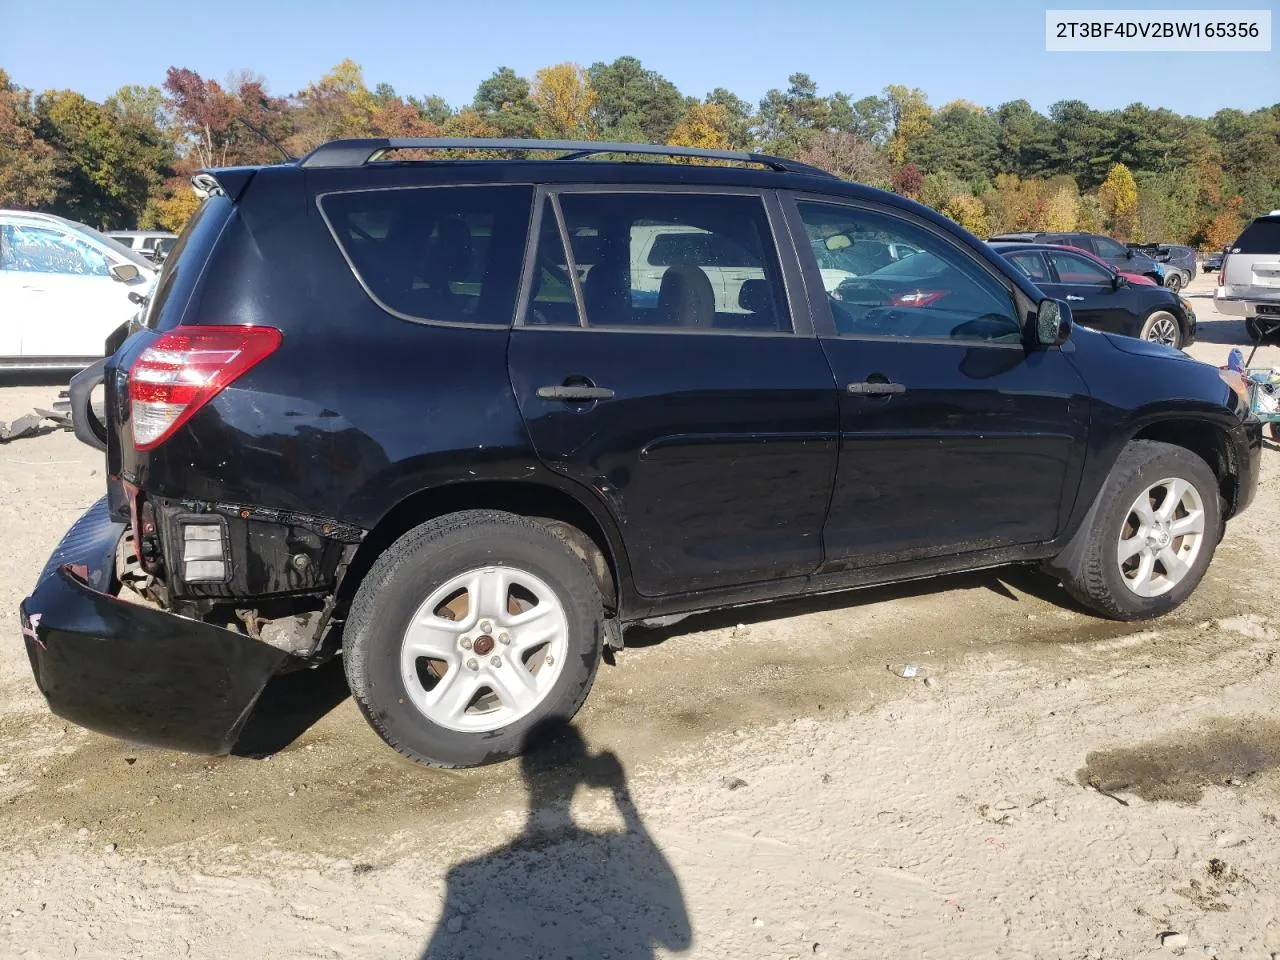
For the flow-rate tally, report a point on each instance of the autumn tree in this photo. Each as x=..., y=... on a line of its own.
x=908, y=181
x=1226, y=226
x=207, y=117
x=1014, y=203
x=737, y=117
x=937, y=188
x=565, y=101
x=968, y=211
x=27, y=175
x=910, y=115
x=1061, y=209
x=1090, y=219
x=108, y=163
x=848, y=156
x=703, y=125
x=1119, y=198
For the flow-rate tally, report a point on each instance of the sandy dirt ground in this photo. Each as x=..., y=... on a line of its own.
x=749, y=785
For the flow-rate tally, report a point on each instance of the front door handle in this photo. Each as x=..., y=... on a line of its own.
x=872, y=389
x=575, y=393
x=1072, y=296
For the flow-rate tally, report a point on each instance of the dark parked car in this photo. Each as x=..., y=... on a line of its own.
x=412, y=409
x=1112, y=251
x=1213, y=261
x=1179, y=262
x=1101, y=298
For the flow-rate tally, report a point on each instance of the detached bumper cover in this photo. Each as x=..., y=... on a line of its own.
x=132, y=671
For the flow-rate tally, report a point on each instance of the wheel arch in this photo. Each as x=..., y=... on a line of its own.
x=592, y=536
x=1202, y=436
x=1208, y=440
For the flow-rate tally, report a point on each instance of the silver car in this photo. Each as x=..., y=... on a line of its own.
x=1249, y=285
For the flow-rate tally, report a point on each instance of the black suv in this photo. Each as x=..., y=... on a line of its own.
x=467, y=420
x=1124, y=258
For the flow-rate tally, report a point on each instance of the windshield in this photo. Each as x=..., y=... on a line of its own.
x=114, y=245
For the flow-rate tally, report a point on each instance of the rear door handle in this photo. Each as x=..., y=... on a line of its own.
x=869, y=389
x=574, y=393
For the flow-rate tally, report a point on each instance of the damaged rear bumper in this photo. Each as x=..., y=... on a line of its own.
x=132, y=671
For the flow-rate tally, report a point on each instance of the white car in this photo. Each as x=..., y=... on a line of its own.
x=64, y=287
x=1249, y=284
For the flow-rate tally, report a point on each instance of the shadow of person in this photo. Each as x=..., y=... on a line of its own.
x=559, y=891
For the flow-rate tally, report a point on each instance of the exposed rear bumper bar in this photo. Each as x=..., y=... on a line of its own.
x=133, y=671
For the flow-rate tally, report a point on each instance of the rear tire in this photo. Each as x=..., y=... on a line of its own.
x=1173, y=281
x=1143, y=554
x=468, y=633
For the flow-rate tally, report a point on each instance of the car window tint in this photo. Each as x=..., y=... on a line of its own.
x=32, y=249
x=1032, y=264
x=938, y=293
x=448, y=254
x=1109, y=248
x=675, y=260
x=1073, y=268
x=1084, y=243
x=1261, y=236
x=551, y=300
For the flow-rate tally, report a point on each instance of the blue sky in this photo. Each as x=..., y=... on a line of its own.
x=985, y=52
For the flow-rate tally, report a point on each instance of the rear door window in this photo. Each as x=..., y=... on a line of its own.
x=1073, y=268
x=1261, y=236
x=699, y=262
x=1032, y=264
x=436, y=254
x=1109, y=248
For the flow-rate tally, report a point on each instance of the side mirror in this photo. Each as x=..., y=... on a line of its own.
x=125, y=272
x=1128, y=253
x=1118, y=281
x=1053, y=323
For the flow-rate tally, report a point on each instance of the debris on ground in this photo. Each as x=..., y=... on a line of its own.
x=732, y=783
x=1173, y=940
x=22, y=427
x=909, y=671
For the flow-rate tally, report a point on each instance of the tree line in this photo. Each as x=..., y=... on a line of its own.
x=1138, y=173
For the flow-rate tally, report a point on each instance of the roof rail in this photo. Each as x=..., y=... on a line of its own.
x=358, y=152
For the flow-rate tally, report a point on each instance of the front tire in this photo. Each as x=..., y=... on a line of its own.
x=1152, y=536
x=1161, y=326
x=468, y=632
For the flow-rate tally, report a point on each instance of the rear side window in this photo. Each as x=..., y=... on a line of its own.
x=1261, y=236
x=443, y=254
x=1109, y=248
x=1030, y=263
x=704, y=263
x=182, y=268
x=1073, y=268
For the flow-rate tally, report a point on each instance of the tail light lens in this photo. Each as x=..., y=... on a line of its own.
x=918, y=298
x=184, y=370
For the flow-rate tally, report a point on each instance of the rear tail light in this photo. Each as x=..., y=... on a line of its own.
x=918, y=298
x=184, y=370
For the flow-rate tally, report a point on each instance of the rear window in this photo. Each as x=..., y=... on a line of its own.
x=1261, y=236
x=182, y=268
x=442, y=254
